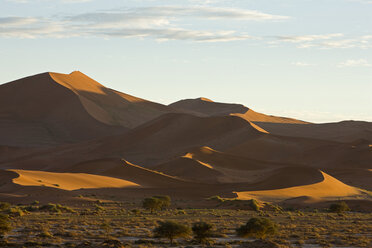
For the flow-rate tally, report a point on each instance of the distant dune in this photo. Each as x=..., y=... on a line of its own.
x=206, y=107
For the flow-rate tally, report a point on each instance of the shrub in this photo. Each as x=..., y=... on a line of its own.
x=202, y=231
x=254, y=205
x=4, y=206
x=257, y=227
x=171, y=230
x=165, y=201
x=56, y=208
x=4, y=225
x=16, y=212
x=216, y=198
x=152, y=204
x=339, y=207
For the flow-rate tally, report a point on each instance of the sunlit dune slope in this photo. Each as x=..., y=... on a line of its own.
x=225, y=160
x=190, y=169
x=206, y=107
x=328, y=188
x=37, y=111
x=107, y=105
x=122, y=169
x=68, y=181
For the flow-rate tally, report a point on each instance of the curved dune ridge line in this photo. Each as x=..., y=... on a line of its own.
x=69, y=181
x=217, y=159
x=107, y=105
x=251, y=115
x=329, y=187
x=190, y=169
x=206, y=107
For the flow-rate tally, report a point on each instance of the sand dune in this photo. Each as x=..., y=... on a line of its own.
x=225, y=160
x=190, y=169
x=345, y=131
x=68, y=181
x=37, y=111
x=122, y=169
x=107, y=105
x=69, y=130
x=328, y=188
x=206, y=107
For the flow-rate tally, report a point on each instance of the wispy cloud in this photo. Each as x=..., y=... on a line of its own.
x=61, y=1
x=326, y=41
x=355, y=63
x=160, y=23
x=302, y=64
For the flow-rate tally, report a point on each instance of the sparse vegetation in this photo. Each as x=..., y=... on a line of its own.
x=125, y=222
x=171, y=230
x=4, y=225
x=257, y=227
x=202, y=231
x=151, y=204
x=156, y=203
x=339, y=207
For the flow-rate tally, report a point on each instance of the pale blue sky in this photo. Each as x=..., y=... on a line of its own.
x=307, y=59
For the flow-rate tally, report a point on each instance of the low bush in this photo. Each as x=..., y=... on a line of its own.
x=258, y=228
x=339, y=207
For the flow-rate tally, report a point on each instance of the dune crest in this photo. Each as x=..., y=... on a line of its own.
x=330, y=187
x=109, y=106
x=68, y=181
x=206, y=107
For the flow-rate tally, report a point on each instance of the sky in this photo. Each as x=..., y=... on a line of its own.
x=306, y=59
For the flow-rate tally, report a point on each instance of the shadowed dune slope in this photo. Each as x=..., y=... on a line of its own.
x=304, y=151
x=110, y=106
x=68, y=181
x=37, y=111
x=167, y=137
x=328, y=188
x=190, y=169
x=122, y=169
x=172, y=135
x=226, y=160
x=206, y=107
x=345, y=131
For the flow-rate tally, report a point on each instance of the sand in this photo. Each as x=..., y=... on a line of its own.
x=64, y=132
x=206, y=107
x=68, y=181
x=328, y=188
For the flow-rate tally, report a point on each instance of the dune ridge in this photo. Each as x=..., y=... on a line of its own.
x=206, y=107
x=68, y=181
x=328, y=188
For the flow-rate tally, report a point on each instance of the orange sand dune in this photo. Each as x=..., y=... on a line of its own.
x=122, y=169
x=345, y=131
x=328, y=188
x=160, y=140
x=206, y=107
x=37, y=111
x=190, y=169
x=225, y=160
x=107, y=105
x=68, y=181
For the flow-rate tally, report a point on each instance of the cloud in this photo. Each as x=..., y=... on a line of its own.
x=176, y=34
x=355, y=63
x=302, y=64
x=308, y=38
x=326, y=41
x=161, y=23
x=16, y=21
x=61, y=1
